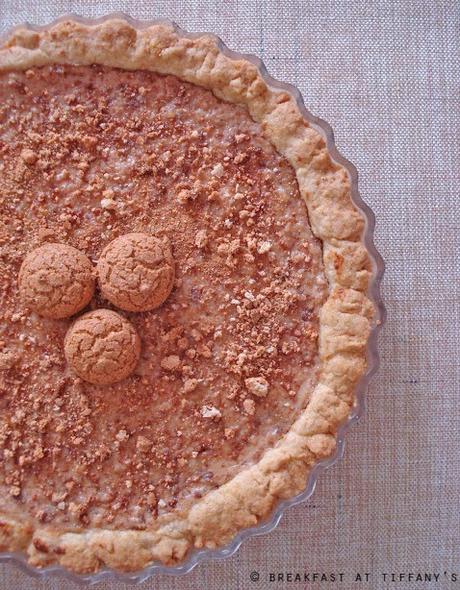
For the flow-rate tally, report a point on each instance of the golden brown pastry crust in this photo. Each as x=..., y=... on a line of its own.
x=346, y=317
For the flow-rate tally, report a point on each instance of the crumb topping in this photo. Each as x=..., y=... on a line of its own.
x=136, y=272
x=88, y=154
x=56, y=280
x=258, y=386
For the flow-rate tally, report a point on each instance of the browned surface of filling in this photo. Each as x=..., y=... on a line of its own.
x=88, y=154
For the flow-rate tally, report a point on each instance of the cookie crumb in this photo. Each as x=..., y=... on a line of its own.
x=190, y=385
x=108, y=204
x=264, y=247
x=170, y=363
x=122, y=435
x=249, y=406
x=29, y=156
x=201, y=238
x=15, y=491
x=7, y=360
x=258, y=386
x=210, y=412
x=143, y=444
x=218, y=170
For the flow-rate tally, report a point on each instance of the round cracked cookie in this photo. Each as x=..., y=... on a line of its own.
x=56, y=280
x=136, y=272
x=248, y=365
x=102, y=347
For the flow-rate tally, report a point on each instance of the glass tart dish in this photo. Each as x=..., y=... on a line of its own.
x=189, y=295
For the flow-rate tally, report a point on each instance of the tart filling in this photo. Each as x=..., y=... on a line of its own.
x=231, y=357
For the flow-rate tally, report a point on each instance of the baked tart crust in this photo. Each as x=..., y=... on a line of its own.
x=345, y=320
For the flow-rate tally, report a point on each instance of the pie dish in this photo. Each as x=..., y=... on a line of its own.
x=250, y=366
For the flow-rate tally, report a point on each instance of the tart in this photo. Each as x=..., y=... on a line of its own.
x=253, y=346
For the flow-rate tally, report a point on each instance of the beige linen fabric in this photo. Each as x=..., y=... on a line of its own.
x=386, y=76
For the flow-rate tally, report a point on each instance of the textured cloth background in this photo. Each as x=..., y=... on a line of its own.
x=386, y=76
